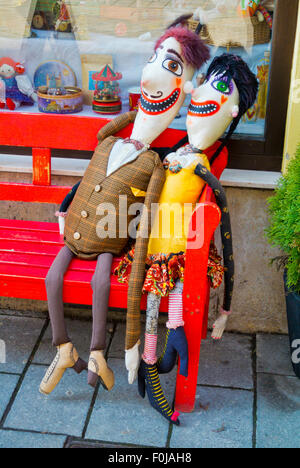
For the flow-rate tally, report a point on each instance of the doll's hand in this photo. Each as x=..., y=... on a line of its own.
x=166, y=163
x=34, y=96
x=24, y=85
x=132, y=362
x=220, y=325
x=61, y=221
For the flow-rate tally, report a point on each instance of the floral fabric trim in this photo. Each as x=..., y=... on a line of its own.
x=162, y=271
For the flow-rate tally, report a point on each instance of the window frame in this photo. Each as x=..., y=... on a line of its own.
x=266, y=153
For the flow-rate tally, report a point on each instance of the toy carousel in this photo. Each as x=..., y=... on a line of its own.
x=107, y=91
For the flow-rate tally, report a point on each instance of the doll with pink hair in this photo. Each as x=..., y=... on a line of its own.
x=15, y=86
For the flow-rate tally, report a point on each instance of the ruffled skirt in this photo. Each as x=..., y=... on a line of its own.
x=163, y=271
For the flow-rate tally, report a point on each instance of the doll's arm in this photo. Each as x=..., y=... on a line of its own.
x=69, y=198
x=25, y=86
x=115, y=125
x=62, y=213
x=220, y=195
x=133, y=329
x=163, y=152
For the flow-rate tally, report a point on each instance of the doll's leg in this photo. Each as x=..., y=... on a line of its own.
x=148, y=378
x=176, y=341
x=153, y=303
x=132, y=356
x=98, y=368
x=67, y=356
x=54, y=286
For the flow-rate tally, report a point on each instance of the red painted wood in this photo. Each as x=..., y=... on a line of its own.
x=41, y=166
x=26, y=235
x=31, y=225
x=33, y=193
x=63, y=131
x=194, y=300
x=67, y=131
x=28, y=282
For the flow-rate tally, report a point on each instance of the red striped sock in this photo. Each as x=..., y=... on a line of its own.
x=149, y=355
x=175, y=311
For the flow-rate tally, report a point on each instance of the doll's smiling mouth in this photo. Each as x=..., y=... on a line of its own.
x=203, y=109
x=153, y=107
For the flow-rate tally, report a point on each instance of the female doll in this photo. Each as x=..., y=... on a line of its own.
x=229, y=90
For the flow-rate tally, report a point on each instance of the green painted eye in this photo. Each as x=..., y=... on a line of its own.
x=222, y=86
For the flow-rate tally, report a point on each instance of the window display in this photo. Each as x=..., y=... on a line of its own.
x=72, y=40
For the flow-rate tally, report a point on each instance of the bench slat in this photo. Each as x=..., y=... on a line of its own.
x=34, y=247
x=35, y=259
x=77, y=288
x=26, y=235
x=28, y=225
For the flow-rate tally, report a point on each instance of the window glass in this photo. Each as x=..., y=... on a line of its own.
x=72, y=42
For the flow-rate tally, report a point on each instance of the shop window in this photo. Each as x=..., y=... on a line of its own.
x=66, y=43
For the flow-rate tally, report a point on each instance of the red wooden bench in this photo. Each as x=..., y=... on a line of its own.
x=27, y=249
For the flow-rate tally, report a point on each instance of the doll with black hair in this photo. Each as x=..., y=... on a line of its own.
x=229, y=89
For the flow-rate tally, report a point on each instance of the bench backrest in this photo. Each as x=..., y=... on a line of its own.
x=44, y=132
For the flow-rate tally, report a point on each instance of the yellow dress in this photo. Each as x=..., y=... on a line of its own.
x=177, y=202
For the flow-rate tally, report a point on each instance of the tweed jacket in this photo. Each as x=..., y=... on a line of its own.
x=140, y=181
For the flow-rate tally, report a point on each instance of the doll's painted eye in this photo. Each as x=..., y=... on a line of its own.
x=153, y=58
x=173, y=66
x=222, y=86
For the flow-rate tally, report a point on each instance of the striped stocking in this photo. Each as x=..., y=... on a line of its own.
x=175, y=307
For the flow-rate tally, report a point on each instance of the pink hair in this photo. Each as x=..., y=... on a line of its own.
x=194, y=50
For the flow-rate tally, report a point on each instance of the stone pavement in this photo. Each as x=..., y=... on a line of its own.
x=247, y=395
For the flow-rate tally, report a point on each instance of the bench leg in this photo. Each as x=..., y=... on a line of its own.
x=41, y=166
x=186, y=387
x=205, y=318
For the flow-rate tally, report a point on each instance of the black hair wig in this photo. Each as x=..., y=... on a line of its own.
x=233, y=67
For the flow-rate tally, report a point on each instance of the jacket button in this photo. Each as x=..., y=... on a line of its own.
x=84, y=214
x=77, y=236
x=98, y=188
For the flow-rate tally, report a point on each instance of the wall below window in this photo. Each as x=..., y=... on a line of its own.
x=259, y=302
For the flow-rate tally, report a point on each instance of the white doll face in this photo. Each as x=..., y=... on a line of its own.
x=213, y=106
x=163, y=79
x=7, y=71
x=162, y=84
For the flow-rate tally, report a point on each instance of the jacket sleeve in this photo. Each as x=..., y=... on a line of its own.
x=226, y=234
x=115, y=125
x=137, y=275
x=69, y=198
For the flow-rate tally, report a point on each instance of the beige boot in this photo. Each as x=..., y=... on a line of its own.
x=66, y=358
x=98, y=369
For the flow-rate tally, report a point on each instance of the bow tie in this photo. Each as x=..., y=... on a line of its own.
x=137, y=144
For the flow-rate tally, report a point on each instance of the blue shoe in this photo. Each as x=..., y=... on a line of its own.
x=148, y=379
x=176, y=342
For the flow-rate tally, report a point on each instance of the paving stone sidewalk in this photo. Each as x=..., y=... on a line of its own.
x=247, y=395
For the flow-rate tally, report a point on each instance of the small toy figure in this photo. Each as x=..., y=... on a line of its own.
x=63, y=23
x=248, y=7
x=106, y=96
x=18, y=88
